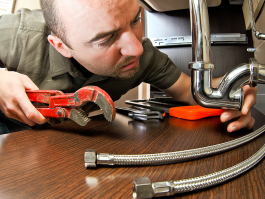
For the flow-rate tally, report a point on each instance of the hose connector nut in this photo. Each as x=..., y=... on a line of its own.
x=142, y=188
x=90, y=158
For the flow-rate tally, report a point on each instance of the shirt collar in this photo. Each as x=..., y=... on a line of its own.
x=58, y=63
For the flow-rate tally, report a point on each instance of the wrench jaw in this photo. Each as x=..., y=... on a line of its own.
x=95, y=94
x=88, y=95
x=106, y=106
x=79, y=116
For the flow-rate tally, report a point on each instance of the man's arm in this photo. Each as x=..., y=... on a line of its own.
x=14, y=101
x=181, y=91
x=18, y=41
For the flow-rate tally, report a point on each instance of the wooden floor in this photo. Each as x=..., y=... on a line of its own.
x=49, y=163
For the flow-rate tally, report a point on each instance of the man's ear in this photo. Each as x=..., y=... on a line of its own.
x=58, y=44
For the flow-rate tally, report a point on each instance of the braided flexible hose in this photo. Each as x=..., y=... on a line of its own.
x=167, y=158
x=144, y=188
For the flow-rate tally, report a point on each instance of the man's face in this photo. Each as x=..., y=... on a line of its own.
x=105, y=35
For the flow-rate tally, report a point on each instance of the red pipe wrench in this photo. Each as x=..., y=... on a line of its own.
x=56, y=104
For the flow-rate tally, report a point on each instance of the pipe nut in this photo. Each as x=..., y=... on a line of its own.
x=90, y=158
x=254, y=72
x=165, y=188
x=201, y=65
x=142, y=188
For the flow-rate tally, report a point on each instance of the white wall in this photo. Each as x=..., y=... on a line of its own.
x=31, y=4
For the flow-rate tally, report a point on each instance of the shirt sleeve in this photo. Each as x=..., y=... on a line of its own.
x=20, y=39
x=160, y=71
x=8, y=30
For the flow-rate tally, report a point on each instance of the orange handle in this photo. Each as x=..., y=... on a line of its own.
x=194, y=112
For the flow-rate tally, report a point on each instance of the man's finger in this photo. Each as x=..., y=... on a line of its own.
x=15, y=112
x=251, y=123
x=22, y=119
x=250, y=95
x=26, y=81
x=30, y=112
x=243, y=121
x=229, y=114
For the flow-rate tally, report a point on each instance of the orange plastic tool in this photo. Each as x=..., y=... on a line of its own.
x=194, y=112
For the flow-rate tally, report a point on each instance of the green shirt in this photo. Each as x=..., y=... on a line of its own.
x=24, y=48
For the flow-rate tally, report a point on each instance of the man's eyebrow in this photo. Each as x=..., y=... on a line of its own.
x=138, y=13
x=104, y=34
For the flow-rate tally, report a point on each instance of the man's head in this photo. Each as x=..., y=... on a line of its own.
x=52, y=18
x=102, y=35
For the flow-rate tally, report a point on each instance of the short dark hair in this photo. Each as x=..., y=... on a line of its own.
x=53, y=20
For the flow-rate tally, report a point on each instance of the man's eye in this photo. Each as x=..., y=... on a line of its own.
x=134, y=22
x=107, y=41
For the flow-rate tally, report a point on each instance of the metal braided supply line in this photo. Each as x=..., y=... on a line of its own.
x=144, y=188
x=92, y=159
x=257, y=34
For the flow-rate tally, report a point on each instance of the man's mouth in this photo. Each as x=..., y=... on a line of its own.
x=130, y=65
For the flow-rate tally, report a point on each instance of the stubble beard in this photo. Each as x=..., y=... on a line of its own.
x=131, y=72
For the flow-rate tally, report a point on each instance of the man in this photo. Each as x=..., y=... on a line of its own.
x=97, y=42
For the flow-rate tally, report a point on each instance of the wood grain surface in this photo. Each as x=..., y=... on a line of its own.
x=49, y=163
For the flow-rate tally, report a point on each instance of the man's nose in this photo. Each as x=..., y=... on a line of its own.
x=131, y=45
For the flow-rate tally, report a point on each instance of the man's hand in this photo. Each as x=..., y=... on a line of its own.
x=245, y=120
x=181, y=92
x=14, y=101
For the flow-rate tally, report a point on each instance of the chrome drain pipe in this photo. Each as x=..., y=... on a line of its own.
x=229, y=93
x=144, y=188
x=92, y=158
